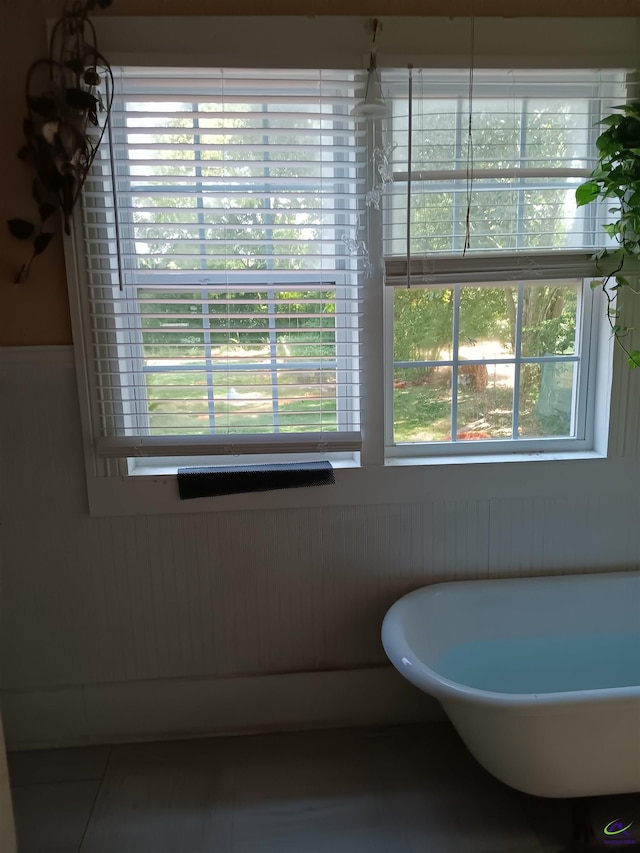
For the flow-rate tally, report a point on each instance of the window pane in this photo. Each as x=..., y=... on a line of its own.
x=549, y=314
x=239, y=362
x=546, y=399
x=239, y=402
x=177, y=401
x=423, y=323
x=487, y=322
x=496, y=133
x=433, y=131
x=505, y=216
x=487, y=333
x=422, y=404
x=539, y=214
x=550, y=219
x=511, y=133
x=493, y=218
x=558, y=132
x=485, y=401
x=433, y=214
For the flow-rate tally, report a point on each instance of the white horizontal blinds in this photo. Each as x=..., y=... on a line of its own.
x=237, y=197
x=533, y=138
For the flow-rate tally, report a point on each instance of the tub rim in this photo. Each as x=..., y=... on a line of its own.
x=415, y=670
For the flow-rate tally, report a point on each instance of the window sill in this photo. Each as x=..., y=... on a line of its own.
x=492, y=458
x=172, y=470
x=448, y=481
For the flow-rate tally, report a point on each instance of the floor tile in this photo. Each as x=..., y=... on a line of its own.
x=408, y=789
x=317, y=793
x=52, y=818
x=164, y=798
x=440, y=798
x=57, y=765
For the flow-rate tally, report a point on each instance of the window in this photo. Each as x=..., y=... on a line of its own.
x=234, y=262
x=502, y=363
x=224, y=302
x=490, y=312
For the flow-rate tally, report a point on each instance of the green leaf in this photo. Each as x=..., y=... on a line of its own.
x=46, y=210
x=38, y=190
x=587, y=193
x=611, y=120
x=605, y=143
x=75, y=64
x=45, y=107
x=634, y=358
x=595, y=284
x=78, y=99
x=41, y=242
x=20, y=228
x=621, y=281
x=91, y=77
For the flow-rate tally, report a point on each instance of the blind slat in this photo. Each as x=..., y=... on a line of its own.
x=489, y=268
x=189, y=445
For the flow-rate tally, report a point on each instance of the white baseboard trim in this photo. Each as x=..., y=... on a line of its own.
x=167, y=709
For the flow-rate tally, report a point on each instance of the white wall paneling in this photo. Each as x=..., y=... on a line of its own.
x=133, y=606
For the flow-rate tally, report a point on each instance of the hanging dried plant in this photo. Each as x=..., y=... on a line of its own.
x=67, y=115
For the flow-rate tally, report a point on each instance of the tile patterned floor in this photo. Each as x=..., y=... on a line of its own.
x=412, y=789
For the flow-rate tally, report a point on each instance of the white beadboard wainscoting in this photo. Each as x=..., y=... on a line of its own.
x=149, y=626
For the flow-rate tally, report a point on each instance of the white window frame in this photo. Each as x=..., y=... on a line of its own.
x=526, y=265
x=126, y=344
x=347, y=417
x=584, y=359
x=263, y=42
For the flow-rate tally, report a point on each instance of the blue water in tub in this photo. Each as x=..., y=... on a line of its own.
x=545, y=664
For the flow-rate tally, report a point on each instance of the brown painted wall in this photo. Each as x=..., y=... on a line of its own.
x=37, y=312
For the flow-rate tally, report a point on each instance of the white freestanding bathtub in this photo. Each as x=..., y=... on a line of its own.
x=540, y=676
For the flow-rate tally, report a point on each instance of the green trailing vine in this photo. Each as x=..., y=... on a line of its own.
x=617, y=177
x=63, y=127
